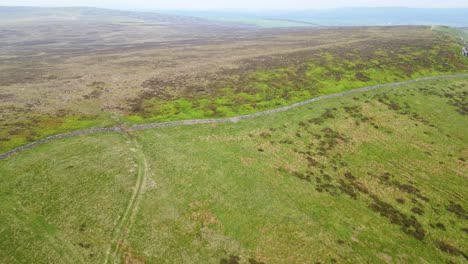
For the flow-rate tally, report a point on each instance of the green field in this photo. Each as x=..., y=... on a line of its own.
x=375, y=177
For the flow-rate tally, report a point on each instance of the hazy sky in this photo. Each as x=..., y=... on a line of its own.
x=244, y=4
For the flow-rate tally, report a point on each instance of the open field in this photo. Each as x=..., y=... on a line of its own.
x=375, y=177
x=90, y=68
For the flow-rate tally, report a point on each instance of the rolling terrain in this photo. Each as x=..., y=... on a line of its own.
x=162, y=138
x=377, y=177
x=91, y=68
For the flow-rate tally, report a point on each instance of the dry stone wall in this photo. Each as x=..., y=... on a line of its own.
x=222, y=120
x=60, y=136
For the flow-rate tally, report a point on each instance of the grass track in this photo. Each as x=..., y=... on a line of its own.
x=62, y=205
x=122, y=230
x=242, y=189
x=233, y=191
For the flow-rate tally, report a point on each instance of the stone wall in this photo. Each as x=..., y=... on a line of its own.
x=60, y=136
x=465, y=51
x=285, y=108
x=222, y=120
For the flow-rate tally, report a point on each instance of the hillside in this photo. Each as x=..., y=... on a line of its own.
x=25, y=14
x=63, y=70
x=375, y=177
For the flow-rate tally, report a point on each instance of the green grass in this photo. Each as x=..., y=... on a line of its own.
x=41, y=126
x=63, y=203
x=371, y=177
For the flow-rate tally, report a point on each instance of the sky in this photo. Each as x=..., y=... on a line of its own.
x=238, y=4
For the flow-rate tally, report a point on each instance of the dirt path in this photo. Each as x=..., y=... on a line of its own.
x=222, y=120
x=122, y=229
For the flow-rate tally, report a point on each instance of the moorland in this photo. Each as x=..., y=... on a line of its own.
x=82, y=68
x=376, y=177
x=371, y=177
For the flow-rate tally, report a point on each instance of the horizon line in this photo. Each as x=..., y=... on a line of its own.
x=230, y=8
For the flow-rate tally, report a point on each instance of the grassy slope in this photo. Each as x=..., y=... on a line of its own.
x=244, y=190
x=61, y=201
x=338, y=180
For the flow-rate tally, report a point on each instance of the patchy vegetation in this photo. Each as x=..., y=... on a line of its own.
x=149, y=70
x=368, y=177
x=267, y=82
x=365, y=178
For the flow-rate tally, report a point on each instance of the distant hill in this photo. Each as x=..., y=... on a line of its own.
x=346, y=16
x=83, y=13
x=264, y=19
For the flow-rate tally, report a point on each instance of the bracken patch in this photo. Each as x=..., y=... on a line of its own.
x=458, y=210
x=231, y=260
x=409, y=225
x=450, y=249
